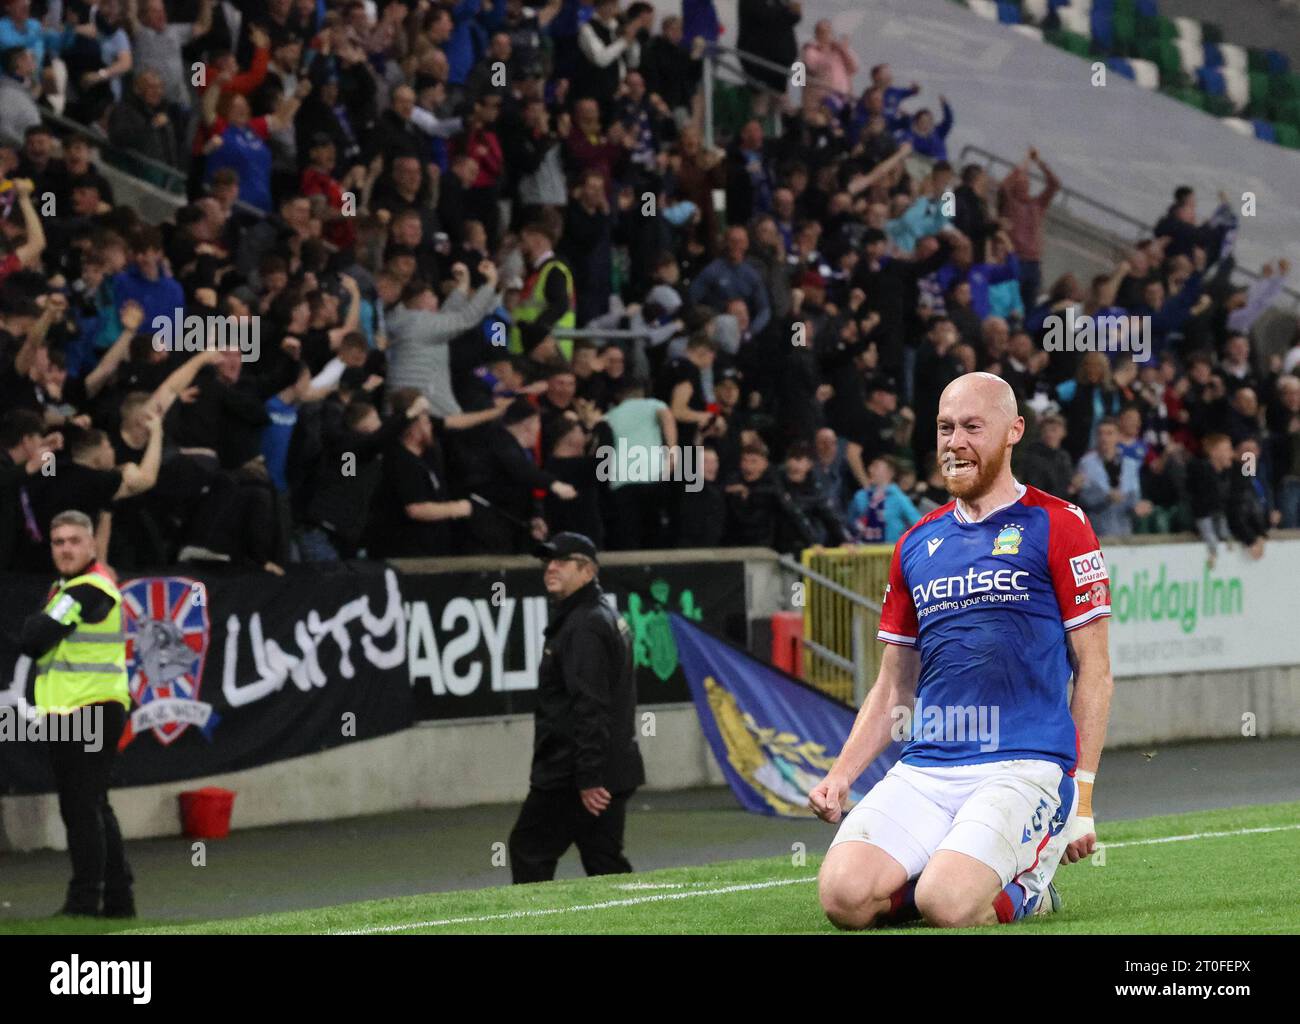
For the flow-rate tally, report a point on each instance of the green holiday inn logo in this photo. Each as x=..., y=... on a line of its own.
x=1143, y=597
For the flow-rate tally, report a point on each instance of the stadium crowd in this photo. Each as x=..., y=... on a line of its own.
x=406, y=206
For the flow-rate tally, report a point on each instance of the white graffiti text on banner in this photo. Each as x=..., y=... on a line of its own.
x=383, y=641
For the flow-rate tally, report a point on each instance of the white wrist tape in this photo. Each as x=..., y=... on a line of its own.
x=1079, y=827
x=1081, y=776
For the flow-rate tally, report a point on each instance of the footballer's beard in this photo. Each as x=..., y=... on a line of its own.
x=972, y=478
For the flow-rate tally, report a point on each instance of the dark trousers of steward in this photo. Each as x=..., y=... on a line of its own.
x=99, y=866
x=552, y=820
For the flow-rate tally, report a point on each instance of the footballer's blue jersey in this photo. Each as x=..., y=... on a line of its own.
x=988, y=605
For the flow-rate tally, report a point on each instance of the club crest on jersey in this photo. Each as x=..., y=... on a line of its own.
x=1008, y=542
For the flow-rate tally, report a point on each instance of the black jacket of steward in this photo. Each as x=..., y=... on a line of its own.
x=586, y=699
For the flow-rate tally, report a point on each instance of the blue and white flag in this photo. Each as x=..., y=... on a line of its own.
x=774, y=736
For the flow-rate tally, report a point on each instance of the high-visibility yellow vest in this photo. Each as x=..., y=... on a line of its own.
x=89, y=664
x=532, y=307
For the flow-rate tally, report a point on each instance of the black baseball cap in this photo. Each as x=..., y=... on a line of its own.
x=882, y=382
x=519, y=410
x=564, y=544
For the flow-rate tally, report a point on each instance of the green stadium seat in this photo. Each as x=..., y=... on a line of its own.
x=1192, y=97
x=1069, y=41
x=1125, y=34
x=1287, y=112
x=1259, y=86
x=1079, y=45
x=1219, y=106
x=1164, y=55
x=1288, y=135
x=1265, y=110
x=1158, y=27
x=1284, y=87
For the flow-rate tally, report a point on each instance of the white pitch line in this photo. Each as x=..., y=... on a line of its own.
x=634, y=886
x=515, y=914
x=660, y=897
x=1199, y=835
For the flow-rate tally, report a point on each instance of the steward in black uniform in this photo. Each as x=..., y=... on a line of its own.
x=585, y=758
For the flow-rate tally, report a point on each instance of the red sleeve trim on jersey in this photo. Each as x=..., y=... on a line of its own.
x=898, y=622
x=1075, y=561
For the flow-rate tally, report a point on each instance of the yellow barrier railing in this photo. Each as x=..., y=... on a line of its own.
x=829, y=617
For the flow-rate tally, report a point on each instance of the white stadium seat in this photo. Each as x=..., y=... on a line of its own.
x=1190, y=55
x=1035, y=10
x=986, y=9
x=1237, y=83
x=1145, y=73
x=1188, y=29
x=1076, y=21
x=1028, y=30
x=1234, y=56
x=1239, y=126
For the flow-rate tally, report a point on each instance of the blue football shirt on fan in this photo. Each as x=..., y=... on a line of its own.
x=276, y=437
x=988, y=605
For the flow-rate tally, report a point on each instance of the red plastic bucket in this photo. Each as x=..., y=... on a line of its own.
x=205, y=813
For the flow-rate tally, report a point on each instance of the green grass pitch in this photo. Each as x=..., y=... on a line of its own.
x=1244, y=882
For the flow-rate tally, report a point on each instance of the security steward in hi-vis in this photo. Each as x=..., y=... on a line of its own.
x=586, y=763
x=548, y=299
x=79, y=647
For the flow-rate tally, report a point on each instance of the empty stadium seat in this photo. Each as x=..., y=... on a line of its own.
x=1181, y=56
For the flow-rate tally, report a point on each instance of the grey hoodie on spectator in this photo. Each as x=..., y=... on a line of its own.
x=418, y=352
x=18, y=111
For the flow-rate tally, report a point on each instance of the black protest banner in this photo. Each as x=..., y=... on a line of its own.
x=229, y=670
x=475, y=638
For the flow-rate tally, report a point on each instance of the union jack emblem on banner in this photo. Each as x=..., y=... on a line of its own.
x=165, y=619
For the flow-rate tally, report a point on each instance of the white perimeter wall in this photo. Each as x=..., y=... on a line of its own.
x=459, y=764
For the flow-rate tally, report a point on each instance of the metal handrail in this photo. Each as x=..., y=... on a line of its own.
x=718, y=56
x=1074, y=195
x=102, y=143
x=612, y=334
x=825, y=581
x=770, y=65
x=860, y=663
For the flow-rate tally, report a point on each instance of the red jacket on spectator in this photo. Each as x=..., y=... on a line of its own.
x=243, y=83
x=484, y=146
x=339, y=232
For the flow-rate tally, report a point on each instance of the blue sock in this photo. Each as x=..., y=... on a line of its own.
x=1009, y=904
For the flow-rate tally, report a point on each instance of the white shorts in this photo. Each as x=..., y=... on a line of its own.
x=1010, y=815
